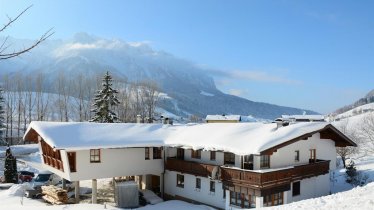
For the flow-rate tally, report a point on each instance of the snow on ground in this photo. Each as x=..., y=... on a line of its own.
x=175, y=205
x=360, y=198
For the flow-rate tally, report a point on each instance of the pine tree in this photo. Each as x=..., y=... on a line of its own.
x=10, y=167
x=105, y=100
x=2, y=117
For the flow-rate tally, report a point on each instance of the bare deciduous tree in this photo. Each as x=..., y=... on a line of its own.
x=345, y=152
x=366, y=133
x=4, y=45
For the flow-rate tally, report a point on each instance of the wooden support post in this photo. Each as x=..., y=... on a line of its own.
x=94, y=191
x=77, y=191
x=63, y=183
x=162, y=184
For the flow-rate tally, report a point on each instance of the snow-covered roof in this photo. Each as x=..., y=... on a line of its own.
x=304, y=117
x=239, y=138
x=223, y=117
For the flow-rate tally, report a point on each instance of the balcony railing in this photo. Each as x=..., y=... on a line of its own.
x=189, y=167
x=273, y=177
x=55, y=163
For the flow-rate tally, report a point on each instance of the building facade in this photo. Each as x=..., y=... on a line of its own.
x=282, y=171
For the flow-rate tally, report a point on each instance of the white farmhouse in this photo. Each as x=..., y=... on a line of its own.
x=225, y=165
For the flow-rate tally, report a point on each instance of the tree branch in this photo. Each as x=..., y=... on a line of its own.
x=13, y=20
x=45, y=36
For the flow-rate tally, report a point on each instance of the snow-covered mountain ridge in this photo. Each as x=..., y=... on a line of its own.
x=189, y=85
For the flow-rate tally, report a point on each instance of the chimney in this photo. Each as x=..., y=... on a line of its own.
x=138, y=118
x=281, y=122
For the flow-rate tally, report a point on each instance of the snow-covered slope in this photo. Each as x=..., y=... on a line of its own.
x=188, y=84
x=360, y=110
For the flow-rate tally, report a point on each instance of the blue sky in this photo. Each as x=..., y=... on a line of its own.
x=315, y=55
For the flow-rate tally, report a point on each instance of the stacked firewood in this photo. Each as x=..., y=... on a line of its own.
x=54, y=195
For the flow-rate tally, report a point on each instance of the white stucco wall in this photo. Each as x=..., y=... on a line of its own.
x=115, y=162
x=205, y=157
x=203, y=195
x=311, y=188
x=283, y=157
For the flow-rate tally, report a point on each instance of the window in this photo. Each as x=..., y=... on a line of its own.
x=180, y=153
x=198, y=183
x=312, y=158
x=212, y=187
x=248, y=162
x=242, y=200
x=180, y=180
x=157, y=153
x=212, y=155
x=295, y=188
x=273, y=199
x=146, y=153
x=95, y=155
x=72, y=161
x=297, y=156
x=196, y=154
x=265, y=161
x=229, y=158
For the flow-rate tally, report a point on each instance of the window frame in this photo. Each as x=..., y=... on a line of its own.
x=93, y=155
x=212, y=155
x=242, y=200
x=72, y=159
x=180, y=153
x=229, y=158
x=275, y=199
x=313, y=155
x=157, y=153
x=264, y=161
x=198, y=183
x=180, y=180
x=146, y=153
x=212, y=186
x=196, y=154
x=296, y=190
x=297, y=156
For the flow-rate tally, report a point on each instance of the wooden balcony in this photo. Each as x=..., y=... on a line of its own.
x=273, y=178
x=189, y=167
x=53, y=162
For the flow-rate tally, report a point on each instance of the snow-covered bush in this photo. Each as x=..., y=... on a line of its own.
x=354, y=177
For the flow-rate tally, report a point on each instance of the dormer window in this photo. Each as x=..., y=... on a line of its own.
x=229, y=158
x=196, y=154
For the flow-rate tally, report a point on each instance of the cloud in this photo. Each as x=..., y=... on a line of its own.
x=237, y=92
x=262, y=76
x=259, y=76
x=91, y=43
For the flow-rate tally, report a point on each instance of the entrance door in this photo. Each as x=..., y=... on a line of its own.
x=155, y=185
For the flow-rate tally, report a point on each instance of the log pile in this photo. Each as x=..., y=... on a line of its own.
x=54, y=195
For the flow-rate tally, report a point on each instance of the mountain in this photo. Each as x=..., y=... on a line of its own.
x=189, y=88
x=369, y=98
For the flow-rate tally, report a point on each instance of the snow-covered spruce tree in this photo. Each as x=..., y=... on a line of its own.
x=10, y=167
x=105, y=100
x=2, y=117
